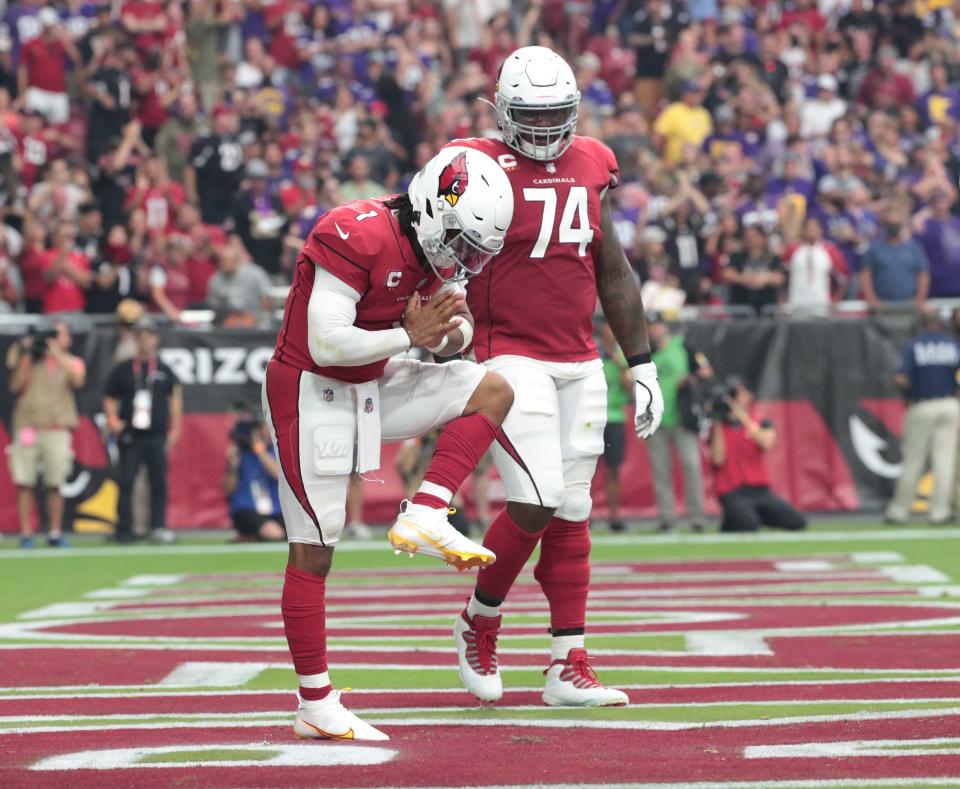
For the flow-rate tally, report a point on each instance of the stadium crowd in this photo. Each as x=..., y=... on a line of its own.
x=178, y=152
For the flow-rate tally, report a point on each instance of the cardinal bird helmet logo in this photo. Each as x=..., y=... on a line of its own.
x=453, y=179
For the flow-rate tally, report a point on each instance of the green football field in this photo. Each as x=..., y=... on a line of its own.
x=829, y=658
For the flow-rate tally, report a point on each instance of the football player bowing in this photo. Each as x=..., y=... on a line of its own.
x=374, y=279
x=533, y=308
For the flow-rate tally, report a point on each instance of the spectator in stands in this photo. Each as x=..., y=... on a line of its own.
x=817, y=115
x=143, y=405
x=927, y=377
x=652, y=31
x=167, y=278
x=109, y=91
x=894, y=268
x=369, y=144
x=66, y=273
x=42, y=73
x=684, y=123
x=216, y=167
x=58, y=196
x=259, y=218
x=677, y=367
x=250, y=481
x=359, y=185
x=816, y=269
x=884, y=88
x=738, y=443
x=113, y=279
x=754, y=274
x=239, y=292
x=619, y=387
x=89, y=238
x=43, y=377
x=176, y=136
x=156, y=194
x=938, y=231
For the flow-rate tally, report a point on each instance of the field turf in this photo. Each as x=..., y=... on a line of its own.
x=830, y=658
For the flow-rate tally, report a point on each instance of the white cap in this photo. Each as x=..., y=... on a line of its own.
x=48, y=17
x=827, y=82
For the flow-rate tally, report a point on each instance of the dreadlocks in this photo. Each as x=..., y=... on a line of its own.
x=406, y=218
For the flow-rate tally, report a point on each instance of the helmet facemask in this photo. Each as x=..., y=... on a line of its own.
x=457, y=253
x=541, y=132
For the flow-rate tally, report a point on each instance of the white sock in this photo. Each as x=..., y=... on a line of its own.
x=475, y=607
x=313, y=681
x=437, y=491
x=560, y=646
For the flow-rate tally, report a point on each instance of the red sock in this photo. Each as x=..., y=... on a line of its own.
x=459, y=448
x=513, y=547
x=304, y=623
x=563, y=572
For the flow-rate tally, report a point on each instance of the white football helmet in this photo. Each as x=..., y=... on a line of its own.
x=536, y=100
x=463, y=204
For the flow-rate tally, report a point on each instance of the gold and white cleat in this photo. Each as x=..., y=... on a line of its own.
x=420, y=529
x=328, y=719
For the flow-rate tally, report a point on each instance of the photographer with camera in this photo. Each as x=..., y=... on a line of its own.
x=250, y=481
x=144, y=407
x=738, y=443
x=43, y=376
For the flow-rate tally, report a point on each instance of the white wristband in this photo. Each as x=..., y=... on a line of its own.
x=466, y=329
x=440, y=345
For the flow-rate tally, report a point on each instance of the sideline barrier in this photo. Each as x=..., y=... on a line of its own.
x=826, y=383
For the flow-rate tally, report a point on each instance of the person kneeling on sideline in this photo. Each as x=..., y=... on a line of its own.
x=738, y=443
x=250, y=481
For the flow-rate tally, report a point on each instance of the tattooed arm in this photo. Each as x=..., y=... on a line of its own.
x=620, y=301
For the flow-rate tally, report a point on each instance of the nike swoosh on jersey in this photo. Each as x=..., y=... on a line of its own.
x=343, y=235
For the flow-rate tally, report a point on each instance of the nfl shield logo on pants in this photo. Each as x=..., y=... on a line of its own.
x=368, y=405
x=328, y=395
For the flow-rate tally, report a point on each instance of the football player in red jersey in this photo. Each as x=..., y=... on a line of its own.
x=374, y=279
x=533, y=309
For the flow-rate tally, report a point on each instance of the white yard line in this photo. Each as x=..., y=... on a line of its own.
x=419, y=720
x=227, y=717
x=137, y=691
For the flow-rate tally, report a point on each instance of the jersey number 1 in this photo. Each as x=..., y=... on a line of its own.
x=576, y=206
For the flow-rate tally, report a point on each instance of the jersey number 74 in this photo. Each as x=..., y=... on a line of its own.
x=575, y=209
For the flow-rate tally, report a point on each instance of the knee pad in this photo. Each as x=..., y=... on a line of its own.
x=564, y=554
x=577, y=504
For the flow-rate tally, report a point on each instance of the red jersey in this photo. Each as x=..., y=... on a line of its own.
x=537, y=297
x=35, y=151
x=63, y=294
x=46, y=64
x=145, y=9
x=159, y=204
x=361, y=244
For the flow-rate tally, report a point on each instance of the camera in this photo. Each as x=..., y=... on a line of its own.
x=247, y=422
x=38, y=342
x=716, y=403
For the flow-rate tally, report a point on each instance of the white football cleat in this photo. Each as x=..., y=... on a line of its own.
x=573, y=683
x=477, y=653
x=328, y=719
x=421, y=529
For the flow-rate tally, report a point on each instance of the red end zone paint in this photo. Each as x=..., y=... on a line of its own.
x=751, y=618
x=47, y=667
x=491, y=755
x=285, y=701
